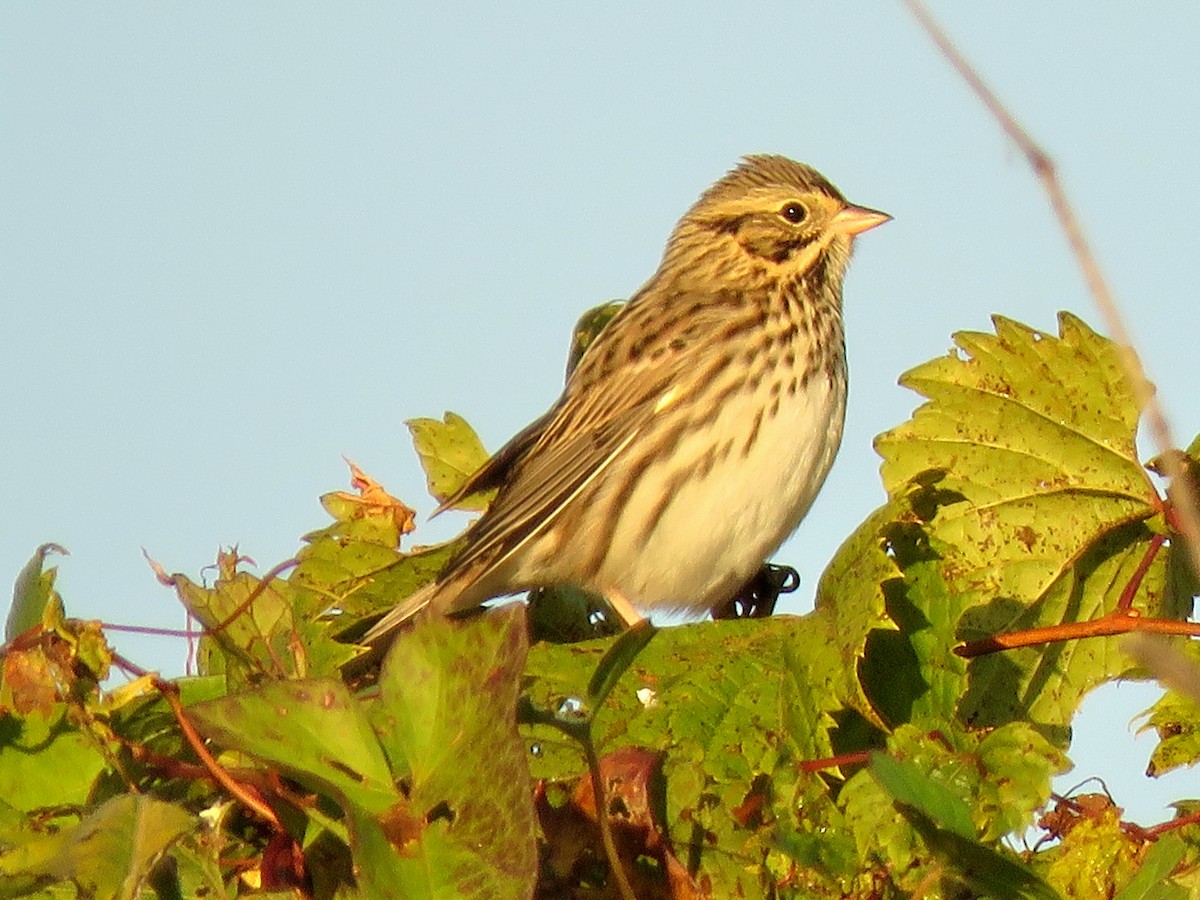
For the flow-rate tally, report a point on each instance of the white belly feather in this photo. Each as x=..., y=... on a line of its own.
x=718, y=529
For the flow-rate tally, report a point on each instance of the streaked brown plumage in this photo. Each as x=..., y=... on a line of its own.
x=696, y=431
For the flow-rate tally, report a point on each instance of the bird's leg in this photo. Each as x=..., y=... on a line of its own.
x=623, y=608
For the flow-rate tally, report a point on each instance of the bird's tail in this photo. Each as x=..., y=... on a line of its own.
x=401, y=613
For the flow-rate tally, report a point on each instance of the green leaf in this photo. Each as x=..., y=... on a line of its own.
x=353, y=568
x=588, y=328
x=369, y=516
x=735, y=706
x=852, y=593
x=1020, y=763
x=47, y=761
x=250, y=623
x=360, y=578
x=446, y=718
x=137, y=713
x=950, y=797
x=912, y=674
x=256, y=630
x=620, y=655
x=1150, y=882
x=110, y=854
x=1045, y=684
x=988, y=871
x=687, y=689
x=1021, y=477
x=1095, y=856
x=908, y=785
x=33, y=589
x=1177, y=721
x=1029, y=443
x=1175, y=716
x=314, y=730
x=450, y=452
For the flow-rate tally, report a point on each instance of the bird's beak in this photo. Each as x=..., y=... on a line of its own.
x=857, y=219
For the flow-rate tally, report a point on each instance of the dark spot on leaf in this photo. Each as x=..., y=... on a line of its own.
x=1027, y=536
x=346, y=770
x=442, y=810
x=749, y=813
x=402, y=830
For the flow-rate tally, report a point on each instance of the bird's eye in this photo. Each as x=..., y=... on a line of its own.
x=794, y=212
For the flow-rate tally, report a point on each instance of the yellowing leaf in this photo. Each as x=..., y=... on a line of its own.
x=1017, y=501
x=372, y=512
x=450, y=452
x=1034, y=437
x=27, y=683
x=113, y=850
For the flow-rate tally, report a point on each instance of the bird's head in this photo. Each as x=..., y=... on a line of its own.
x=774, y=216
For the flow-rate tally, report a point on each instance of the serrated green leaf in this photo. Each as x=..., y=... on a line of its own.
x=359, y=579
x=1020, y=763
x=256, y=630
x=1095, y=856
x=1035, y=434
x=1175, y=716
x=1021, y=474
x=370, y=515
x=730, y=703
x=450, y=452
x=702, y=705
x=34, y=588
x=252, y=624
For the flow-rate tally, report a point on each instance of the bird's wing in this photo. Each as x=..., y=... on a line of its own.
x=496, y=471
x=564, y=463
x=538, y=471
x=601, y=414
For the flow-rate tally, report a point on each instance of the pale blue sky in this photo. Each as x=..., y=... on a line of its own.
x=240, y=240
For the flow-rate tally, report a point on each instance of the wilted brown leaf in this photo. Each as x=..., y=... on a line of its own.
x=28, y=683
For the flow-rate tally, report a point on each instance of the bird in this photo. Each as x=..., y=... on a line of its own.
x=696, y=430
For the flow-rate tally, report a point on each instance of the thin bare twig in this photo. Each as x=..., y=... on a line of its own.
x=157, y=632
x=246, y=795
x=599, y=794
x=259, y=589
x=1122, y=620
x=1109, y=625
x=170, y=693
x=1043, y=167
